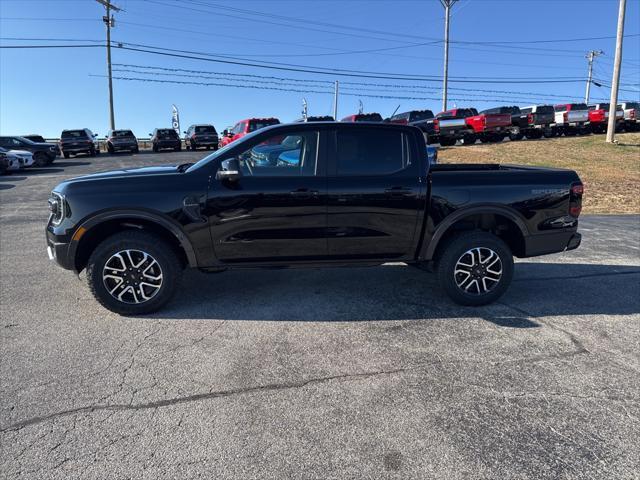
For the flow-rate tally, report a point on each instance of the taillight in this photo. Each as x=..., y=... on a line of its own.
x=530, y=118
x=565, y=117
x=575, y=199
x=632, y=114
x=436, y=125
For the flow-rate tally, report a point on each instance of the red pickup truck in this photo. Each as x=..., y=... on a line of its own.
x=468, y=125
x=490, y=127
x=245, y=126
x=599, y=117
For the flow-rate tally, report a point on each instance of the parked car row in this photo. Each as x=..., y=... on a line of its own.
x=495, y=124
x=466, y=125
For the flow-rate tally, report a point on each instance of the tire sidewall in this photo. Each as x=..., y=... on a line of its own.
x=452, y=253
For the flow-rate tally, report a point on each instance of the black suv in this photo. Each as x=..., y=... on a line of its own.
x=77, y=141
x=43, y=153
x=203, y=135
x=118, y=140
x=162, y=138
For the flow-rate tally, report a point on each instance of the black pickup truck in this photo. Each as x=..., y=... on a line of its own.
x=337, y=194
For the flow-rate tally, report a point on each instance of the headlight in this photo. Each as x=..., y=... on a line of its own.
x=57, y=208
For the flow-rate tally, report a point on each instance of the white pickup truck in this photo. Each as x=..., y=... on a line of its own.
x=571, y=118
x=631, y=116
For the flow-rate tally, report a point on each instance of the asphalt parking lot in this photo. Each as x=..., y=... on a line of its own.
x=334, y=373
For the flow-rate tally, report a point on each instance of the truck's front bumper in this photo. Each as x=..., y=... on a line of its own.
x=58, y=251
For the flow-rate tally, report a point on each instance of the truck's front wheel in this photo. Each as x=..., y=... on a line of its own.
x=475, y=268
x=133, y=273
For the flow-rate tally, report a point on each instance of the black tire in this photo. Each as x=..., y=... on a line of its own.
x=154, y=148
x=92, y=152
x=110, y=148
x=208, y=147
x=40, y=159
x=514, y=137
x=469, y=139
x=455, y=252
x=66, y=154
x=178, y=148
x=136, y=150
x=163, y=254
x=447, y=142
x=50, y=159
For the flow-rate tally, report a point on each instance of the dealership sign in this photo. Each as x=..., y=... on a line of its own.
x=175, y=119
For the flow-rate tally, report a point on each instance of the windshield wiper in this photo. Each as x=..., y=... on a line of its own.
x=183, y=167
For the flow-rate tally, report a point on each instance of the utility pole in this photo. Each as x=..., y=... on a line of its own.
x=590, y=56
x=109, y=22
x=335, y=101
x=613, y=102
x=447, y=4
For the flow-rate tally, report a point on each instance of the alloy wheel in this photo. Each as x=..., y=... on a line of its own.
x=478, y=271
x=132, y=276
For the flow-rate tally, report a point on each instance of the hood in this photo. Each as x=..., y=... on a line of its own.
x=20, y=152
x=128, y=172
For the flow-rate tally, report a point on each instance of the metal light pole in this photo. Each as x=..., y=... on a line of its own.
x=590, y=56
x=447, y=4
x=613, y=102
x=335, y=101
x=109, y=22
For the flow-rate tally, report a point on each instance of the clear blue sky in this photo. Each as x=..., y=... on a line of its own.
x=44, y=91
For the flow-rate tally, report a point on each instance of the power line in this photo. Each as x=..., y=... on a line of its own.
x=311, y=69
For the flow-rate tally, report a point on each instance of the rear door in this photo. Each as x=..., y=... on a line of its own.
x=374, y=192
x=277, y=210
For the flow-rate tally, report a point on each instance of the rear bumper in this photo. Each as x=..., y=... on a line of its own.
x=554, y=242
x=78, y=148
x=124, y=146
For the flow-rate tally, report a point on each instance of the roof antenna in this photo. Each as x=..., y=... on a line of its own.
x=360, y=108
x=394, y=112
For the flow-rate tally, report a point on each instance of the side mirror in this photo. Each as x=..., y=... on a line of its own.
x=225, y=132
x=229, y=170
x=95, y=134
x=184, y=131
x=151, y=135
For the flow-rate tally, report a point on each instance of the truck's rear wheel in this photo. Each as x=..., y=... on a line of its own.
x=133, y=273
x=475, y=268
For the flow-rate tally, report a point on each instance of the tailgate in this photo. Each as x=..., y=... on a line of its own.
x=578, y=116
x=451, y=123
x=497, y=119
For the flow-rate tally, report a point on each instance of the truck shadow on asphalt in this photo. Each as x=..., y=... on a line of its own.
x=399, y=292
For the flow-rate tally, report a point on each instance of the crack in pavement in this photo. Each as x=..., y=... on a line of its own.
x=592, y=275
x=198, y=397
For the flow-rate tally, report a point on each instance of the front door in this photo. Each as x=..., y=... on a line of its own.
x=374, y=193
x=276, y=211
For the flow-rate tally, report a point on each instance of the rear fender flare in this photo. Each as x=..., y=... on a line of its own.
x=429, y=249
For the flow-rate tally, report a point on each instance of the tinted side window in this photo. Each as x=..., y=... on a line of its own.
x=293, y=155
x=370, y=152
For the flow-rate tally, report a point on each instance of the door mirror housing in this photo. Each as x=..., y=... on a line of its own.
x=229, y=170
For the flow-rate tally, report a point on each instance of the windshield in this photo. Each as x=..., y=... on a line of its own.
x=632, y=105
x=74, y=134
x=579, y=106
x=167, y=132
x=545, y=109
x=258, y=124
x=420, y=115
x=205, y=129
x=122, y=133
x=25, y=140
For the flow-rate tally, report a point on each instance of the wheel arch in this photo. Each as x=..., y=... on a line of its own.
x=101, y=226
x=505, y=222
